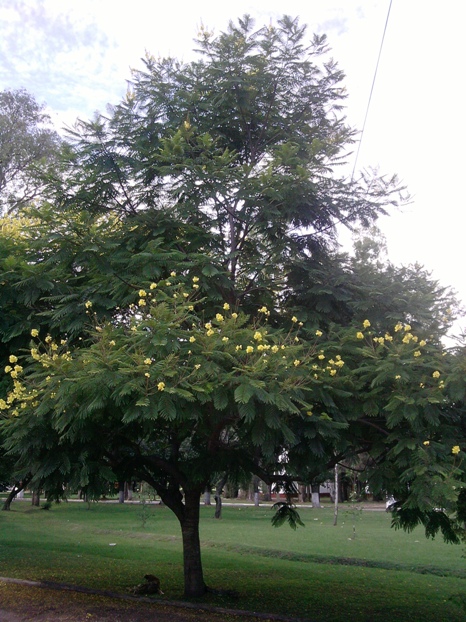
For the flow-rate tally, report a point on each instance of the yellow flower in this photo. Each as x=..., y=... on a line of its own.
x=191, y=308
x=34, y=332
x=185, y=295
x=294, y=319
x=318, y=333
x=226, y=306
x=398, y=377
x=260, y=348
x=147, y=361
x=219, y=317
x=417, y=353
x=333, y=372
x=388, y=337
x=173, y=274
x=238, y=348
x=258, y=336
x=398, y=327
x=249, y=349
x=153, y=286
x=296, y=362
x=88, y=304
x=359, y=335
x=195, y=286
x=192, y=339
x=142, y=302
x=436, y=374
x=321, y=357
x=161, y=386
x=198, y=366
x=210, y=332
x=8, y=368
x=225, y=339
x=234, y=315
x=195, y=279
x=142, y=293
x=274, y=348
x=422, y=343
x=456, y=450
x=366, y=323
x=147, y=375
x=208, y=325
x=407, y=338
x=407, y=328
x=309, y=413
x=426, y=443
x=13, y=358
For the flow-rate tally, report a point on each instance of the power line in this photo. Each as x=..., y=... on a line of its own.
x=372, y=88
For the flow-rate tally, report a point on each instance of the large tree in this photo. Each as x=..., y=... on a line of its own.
x=171, y=263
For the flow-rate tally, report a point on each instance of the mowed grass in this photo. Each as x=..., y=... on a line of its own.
x=359, y=571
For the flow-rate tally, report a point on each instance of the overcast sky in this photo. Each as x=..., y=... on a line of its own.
x=76, y=57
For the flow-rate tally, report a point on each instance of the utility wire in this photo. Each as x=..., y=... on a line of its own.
x=372, y=89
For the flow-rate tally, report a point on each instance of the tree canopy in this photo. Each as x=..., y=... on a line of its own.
x=184, y=311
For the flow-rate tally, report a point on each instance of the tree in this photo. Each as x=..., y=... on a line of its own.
x=170, y=263
x=28, y=147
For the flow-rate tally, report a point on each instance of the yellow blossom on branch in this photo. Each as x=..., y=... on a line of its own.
x=142, y=293
x=34, y=332
x=456, y=450
x=219, y=317
x=161, y=386
x=366, y=323
x=436, y=374
x=359, y=335
x=13, y=358
x=294, y=319
x=249, y=349
x=192, y=339
x=258, y=336
x=226, y=306
x=318, y=333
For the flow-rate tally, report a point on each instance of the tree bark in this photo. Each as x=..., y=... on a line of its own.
x=193, y=575
x=36, y=498
x=121, y=492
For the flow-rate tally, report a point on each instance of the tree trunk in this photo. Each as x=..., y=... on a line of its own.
x=315, y=494
x=121, y=492
x=335, y=511
x=255, y=484
x=218, y=496
x=36, y=498
x=193, y=576
x=207, y=496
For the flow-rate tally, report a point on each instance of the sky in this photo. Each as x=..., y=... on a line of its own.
x=76, y=57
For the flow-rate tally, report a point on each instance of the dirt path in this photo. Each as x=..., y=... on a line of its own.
x=27, y=601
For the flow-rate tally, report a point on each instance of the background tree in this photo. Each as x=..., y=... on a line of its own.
x=28, y=147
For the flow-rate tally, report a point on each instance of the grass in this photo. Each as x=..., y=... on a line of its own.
x=359, y=570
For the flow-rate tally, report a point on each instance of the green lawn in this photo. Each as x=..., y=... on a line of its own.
x=360, y=570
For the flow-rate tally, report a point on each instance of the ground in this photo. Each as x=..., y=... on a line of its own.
x=29, y=603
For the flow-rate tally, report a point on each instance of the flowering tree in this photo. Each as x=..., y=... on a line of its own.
x=169, y=291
